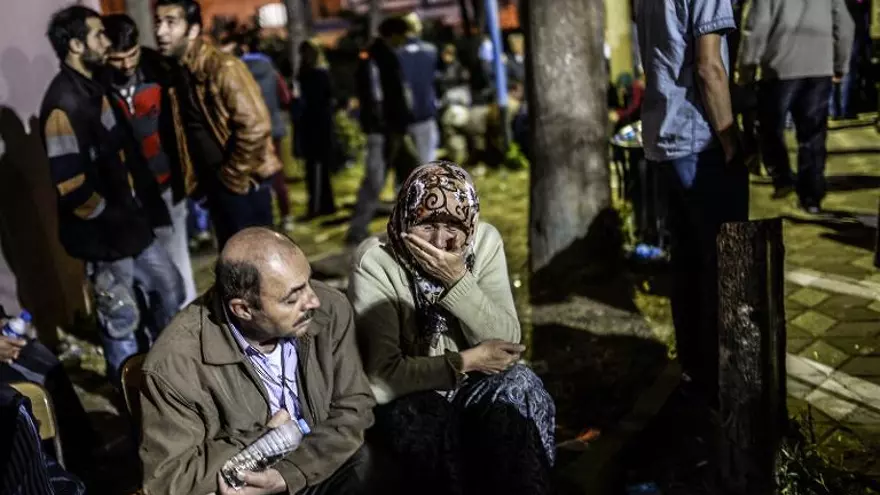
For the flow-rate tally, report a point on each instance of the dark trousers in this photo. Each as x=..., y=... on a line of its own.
x=807, y=100
x=354, y=477
x=232, y=212
x=319, y=187
x=702, y=194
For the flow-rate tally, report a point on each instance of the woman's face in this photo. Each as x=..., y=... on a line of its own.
x=442, y=235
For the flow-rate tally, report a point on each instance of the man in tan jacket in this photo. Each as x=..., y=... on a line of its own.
x=265, y=346
x=223, y=127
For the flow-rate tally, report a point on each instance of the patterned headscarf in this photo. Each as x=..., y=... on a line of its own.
x=437, y=191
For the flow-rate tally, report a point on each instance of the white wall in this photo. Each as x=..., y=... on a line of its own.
x=34, y=270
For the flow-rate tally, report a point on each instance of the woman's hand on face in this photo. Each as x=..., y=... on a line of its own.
x=447, y=267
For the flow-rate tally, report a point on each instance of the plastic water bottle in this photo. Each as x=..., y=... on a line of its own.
x=17, y=328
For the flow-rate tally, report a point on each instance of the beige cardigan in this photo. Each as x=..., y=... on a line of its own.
x=380, y=291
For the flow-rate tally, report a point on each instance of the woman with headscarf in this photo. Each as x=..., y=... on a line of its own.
x=439, y=336
x=316, y=132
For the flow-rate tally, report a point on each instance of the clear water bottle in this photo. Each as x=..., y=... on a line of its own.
x=17, y=328
x=117, y=310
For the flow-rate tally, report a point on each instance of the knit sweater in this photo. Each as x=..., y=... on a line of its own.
x=381, y=292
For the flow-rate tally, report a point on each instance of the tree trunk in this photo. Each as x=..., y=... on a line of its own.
x=375, y=18
x=465, y=18
x=877, y=243
x=296, y=31
x=751, y=382
x=570, y=216
x=142, y=13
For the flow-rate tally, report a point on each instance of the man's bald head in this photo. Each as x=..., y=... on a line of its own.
x=246, y=257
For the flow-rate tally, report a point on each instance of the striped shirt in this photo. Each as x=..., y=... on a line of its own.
x=25, y=472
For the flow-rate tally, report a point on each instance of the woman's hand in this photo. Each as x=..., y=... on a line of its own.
x=491, y=356
x=10, y=348
x=447, y=267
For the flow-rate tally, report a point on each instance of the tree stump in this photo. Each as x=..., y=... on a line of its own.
x=752, y=347
x=877, y=242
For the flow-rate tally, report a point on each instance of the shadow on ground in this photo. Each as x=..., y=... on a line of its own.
x=849, y=228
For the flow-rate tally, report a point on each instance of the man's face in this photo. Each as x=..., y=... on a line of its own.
x=288, y=301
x=125, y=64
x=94, y=51
x=173, y=33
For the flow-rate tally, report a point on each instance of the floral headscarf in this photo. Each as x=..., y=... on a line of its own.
x=441, y=191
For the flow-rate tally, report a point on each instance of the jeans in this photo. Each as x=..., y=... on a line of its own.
x=233, y=212
x=151, y=278
x=426, y=136
x=807, y=100
x=702, y=194
x=375, y=173
x=174, y=239
x=199, y=220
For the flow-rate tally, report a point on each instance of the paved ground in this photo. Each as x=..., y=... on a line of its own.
x=833, y=295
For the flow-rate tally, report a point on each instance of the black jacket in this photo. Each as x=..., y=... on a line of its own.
x=108, y=199
x=382, y=92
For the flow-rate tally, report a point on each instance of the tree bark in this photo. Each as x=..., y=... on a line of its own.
x=877, y=242
x=296, y=31
x=375, y=18
x=465, y=18
x=752, y=403
x=570, y=214
x=142, y=13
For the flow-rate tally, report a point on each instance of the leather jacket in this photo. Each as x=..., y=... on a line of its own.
x=233, y=107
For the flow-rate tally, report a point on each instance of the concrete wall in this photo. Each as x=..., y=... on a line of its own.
x=35, y=269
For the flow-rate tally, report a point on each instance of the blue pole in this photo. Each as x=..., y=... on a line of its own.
x=498, y=65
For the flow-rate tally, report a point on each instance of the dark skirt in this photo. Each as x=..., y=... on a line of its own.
x=495, y=434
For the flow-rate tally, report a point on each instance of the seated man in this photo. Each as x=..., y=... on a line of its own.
x=440, y=340
x=264, y=346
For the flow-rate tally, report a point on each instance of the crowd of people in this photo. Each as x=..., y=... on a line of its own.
x=139, y=138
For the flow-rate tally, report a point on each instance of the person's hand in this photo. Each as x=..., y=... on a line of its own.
x=491, y=356
x=266, y=482
x=613, y=116
x=10, y=348
x=281, y=417
x=837, y=79
x=446, y=267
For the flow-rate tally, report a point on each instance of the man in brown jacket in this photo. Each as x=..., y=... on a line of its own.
x=222, y=123
x=265, y=346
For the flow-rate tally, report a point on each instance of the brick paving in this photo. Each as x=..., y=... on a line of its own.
x=834, y=325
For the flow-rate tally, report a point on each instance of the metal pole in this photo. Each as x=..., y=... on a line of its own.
x=494, y=29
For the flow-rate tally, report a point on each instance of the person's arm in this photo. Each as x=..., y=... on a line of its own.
x=284, y=95
x=334, y=440
x=635, y=102
x=844, y=32
x=176, y=454
x=485, y=305
x=249, y=124
x=377, y=318
x=757, y=22
x=712, y=20
x=67, y=168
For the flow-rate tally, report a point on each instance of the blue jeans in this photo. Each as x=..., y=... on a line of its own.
x=703, y=192
x=153, y=282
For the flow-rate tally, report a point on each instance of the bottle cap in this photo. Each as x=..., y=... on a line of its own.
x=26, y=316
x=303, y=426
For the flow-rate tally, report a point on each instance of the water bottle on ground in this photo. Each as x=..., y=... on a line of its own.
x=118, y=312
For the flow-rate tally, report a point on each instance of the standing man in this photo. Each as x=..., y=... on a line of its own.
x=108, y=201
x=418, y=60
x=385, y=117
x=800, y=46
x=265, y=346
x=138, y=80
x=691, y=140
x=222, y=119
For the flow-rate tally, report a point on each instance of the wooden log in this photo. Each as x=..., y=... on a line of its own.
x=752, y=348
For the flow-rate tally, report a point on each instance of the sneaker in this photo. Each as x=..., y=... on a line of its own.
x=782, y=192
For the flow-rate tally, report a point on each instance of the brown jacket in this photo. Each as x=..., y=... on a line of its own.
x=236, y=113
x=203, y=401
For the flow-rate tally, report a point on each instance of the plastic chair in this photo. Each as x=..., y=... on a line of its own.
x=44, y=413
x=131, y=378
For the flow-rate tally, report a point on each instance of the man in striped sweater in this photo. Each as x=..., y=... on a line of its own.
x=138, y=79
x=108, y=200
